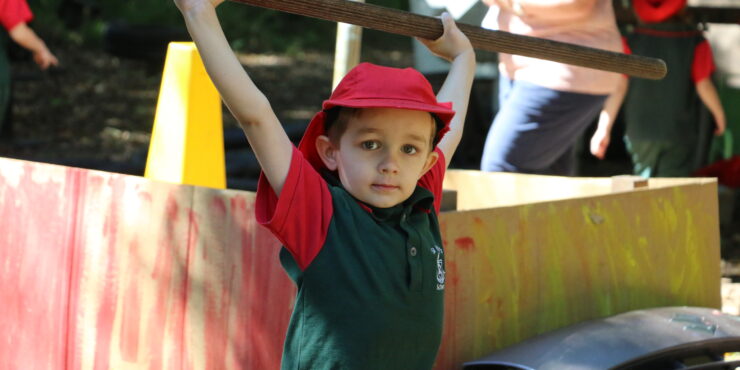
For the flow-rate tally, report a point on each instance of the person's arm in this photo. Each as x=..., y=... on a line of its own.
x=710, y=98
x=25, y=37
x=455, y=47
x=602, y=135
x=246, y=102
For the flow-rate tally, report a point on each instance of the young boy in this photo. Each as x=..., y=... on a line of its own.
x=355, y=206
x=14, y=18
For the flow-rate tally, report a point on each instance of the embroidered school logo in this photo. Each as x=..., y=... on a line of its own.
x=440, y=268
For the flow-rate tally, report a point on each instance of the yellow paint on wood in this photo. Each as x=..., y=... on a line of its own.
x=518, y=271
x=187, y=140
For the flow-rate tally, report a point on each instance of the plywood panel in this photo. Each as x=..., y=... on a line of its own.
x=128, y=286
x=515, y=272
x=35, y=265
x=102, y=270
x=480, y=190
x=239, y=297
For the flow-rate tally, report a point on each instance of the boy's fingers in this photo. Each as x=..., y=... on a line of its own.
x=447, y=20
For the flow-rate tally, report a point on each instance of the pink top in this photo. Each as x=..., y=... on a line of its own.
x=584, y=22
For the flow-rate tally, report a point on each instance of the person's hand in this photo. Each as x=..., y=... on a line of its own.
x=452, y=43
x=599, y=143
x=45, y=59
x=721, y=124
x=188, y=5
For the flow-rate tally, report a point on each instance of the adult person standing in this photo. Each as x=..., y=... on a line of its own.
x=14, y=17
x=544, y=106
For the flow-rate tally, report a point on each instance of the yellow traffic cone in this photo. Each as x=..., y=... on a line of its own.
x=187, y=145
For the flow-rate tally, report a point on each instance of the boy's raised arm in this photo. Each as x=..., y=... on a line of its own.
x=455, y=47
x=246, y=102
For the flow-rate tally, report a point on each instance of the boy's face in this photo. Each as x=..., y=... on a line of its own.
x=382, y=153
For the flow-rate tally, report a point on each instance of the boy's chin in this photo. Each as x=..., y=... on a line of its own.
x=380, y=203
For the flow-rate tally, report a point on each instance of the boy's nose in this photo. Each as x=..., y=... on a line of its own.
x=389, y=164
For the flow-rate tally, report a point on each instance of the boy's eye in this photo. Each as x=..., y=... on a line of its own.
x=409, y=149
x=370, y=145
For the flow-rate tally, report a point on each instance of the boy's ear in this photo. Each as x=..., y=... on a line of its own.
x=431, y=160
x=327, y=152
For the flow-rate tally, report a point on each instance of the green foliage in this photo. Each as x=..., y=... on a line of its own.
x=248, y=28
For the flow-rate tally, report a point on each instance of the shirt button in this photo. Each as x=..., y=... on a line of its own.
x=412, y=251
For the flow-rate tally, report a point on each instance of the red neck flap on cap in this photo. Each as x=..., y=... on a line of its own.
x=372, y=86
x=654, y=11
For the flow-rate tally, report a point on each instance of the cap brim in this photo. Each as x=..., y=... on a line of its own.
x=442, y=110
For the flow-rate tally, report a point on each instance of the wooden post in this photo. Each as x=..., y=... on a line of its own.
x=347, y=49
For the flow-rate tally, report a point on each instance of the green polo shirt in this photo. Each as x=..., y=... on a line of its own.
x=370, y=281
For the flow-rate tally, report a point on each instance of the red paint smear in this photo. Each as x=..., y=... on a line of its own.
x=451, y=273
x=219, y=206
x=130, y=321
x=35, y=275
x=465, y=243
x=109, y=299
x=266, y=294
x=217, y=307
x=194, y=235
x=145, y=196
x=74, y=357
x=162, y=273
x=449, y=345
x=163, y=260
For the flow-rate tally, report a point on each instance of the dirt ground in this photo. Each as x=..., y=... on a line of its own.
x=96, y=110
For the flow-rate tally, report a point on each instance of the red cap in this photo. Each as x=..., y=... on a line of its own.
x=654, y=11
x=372, y=86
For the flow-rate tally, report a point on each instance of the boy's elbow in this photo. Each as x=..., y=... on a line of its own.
x=255, y=113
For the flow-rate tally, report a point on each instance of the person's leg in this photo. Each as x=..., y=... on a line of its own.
x=536, y=128
x=645, y=155
x=676, y=160
x=565, y=165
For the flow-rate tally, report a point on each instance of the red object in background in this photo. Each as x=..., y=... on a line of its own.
x=726, y=171
x=655, y=11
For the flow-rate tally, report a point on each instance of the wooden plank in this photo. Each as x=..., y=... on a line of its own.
x=239, y=297
x=415, y=25
x=478, y=190
x=128, y=285
x=37, y=233
x=515, y=272
x=171, y=276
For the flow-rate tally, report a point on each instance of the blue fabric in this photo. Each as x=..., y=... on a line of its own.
x=536, y=128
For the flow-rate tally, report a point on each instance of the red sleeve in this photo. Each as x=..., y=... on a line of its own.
x=432, y=180
x=703, y=65
x=626, y=50
x=625, y=46
x=300, y=216
x=13, y=12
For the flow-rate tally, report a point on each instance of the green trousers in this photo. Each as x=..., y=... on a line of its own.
x=661, y=158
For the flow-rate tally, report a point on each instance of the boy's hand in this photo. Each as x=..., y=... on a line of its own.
x=452, y=42
x=45, y=59
x=187, y=5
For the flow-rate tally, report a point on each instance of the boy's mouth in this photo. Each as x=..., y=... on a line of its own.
x=384, y=187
